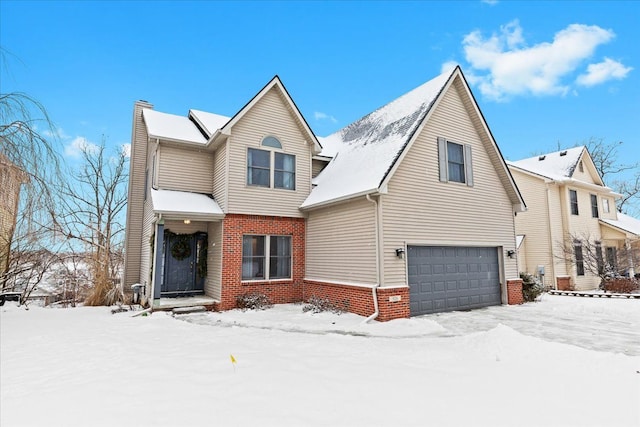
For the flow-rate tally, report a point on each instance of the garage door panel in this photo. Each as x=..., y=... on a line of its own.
x=452, y=278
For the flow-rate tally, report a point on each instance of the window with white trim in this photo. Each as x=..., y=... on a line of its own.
x=573, y=199
x=605, y=206
x=455, y=162
x=258, y=249
x=577, y=249
x=594, y=206
x=271, y=169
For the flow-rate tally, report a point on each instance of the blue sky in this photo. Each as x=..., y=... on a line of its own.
x=543, y=73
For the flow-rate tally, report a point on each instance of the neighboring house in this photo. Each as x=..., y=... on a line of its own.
x=11, y=178
x=568, y=207
x=409, y=210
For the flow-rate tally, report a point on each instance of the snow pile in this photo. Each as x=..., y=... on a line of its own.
x=85, y=366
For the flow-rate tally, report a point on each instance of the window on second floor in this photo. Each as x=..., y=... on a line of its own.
x=573, y=198
x=272, y=169
x=577, y=249
x=594, y=206
x=605, y=206
x=455, y=162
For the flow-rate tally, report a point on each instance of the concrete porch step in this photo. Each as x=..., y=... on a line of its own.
x=188, y=310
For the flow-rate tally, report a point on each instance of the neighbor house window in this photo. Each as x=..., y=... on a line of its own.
x=577, y=248
x=611, y=258
x=265, y=167
x=256, y=250
x=594, y=206
x=573, y=198
x=599, y=259
x=605, y=206
x=581, y=166
x=455, y=162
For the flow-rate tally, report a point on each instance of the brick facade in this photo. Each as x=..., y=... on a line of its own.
x=279, y=291
x=514, y=292
x=359, y=299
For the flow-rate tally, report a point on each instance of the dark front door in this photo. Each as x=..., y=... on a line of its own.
x=181, y=275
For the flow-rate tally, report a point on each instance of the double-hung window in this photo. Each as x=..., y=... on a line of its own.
x=266, y=257
x=577, y=249
x=269, y=168
x=594, y=206
x=455, y=162
x=573, y=199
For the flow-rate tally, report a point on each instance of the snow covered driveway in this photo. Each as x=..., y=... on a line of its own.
x=593, y=323
x=85, y=366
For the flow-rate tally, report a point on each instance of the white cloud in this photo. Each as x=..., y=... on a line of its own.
x=448, y=66
x=56, y=133
x=74, y=148
x=490, y=2
x=602, y=72
x=513, y=68
x=323, y=116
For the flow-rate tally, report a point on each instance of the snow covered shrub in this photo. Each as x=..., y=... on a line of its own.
x=318, y=305
x=622, y=285
x=532, y=288
x=253, y=301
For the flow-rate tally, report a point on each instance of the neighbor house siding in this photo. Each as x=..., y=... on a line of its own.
x=185, y=169
x=582, y=227
x=317, y=166
x=535, y=224
x=213, y=285
x=419, y=209
x=146, y=250
x=220, y=180
x=135, y=199
x=341, y=243
x=269, y=116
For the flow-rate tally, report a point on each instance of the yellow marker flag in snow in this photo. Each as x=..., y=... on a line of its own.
x=233, y=359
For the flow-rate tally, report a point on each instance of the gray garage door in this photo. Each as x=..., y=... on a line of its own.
x=444, y=278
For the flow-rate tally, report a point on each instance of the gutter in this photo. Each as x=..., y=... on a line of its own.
x=374, y=289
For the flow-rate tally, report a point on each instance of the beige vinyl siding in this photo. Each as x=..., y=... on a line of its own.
x=185, y=169
x=269, y=116
x=534, y=223
x=213, y=285
x=587, y=175
x=613, y=213
x=220, y=176
x=135, y=200
x=419, y=209
x=317, y=166
x=146, y=250
x=556, y=213
x=341, y=243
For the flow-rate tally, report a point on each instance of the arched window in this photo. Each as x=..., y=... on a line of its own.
x=271, y=141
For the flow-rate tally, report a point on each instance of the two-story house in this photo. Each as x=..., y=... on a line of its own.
x=570, y=211
x=409, y=210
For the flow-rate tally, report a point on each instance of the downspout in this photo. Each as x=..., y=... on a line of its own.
x=374, y=292
x=551, y=236
x=153, y=259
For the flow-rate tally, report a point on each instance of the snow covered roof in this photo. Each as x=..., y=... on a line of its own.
x=209, y=122
x=557, y=165
x=185, y=204
x=170, y=126
x=365, y=151
x=626, y=223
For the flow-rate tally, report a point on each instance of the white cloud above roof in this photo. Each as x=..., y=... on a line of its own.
x=505, y=66
x=602, y=72
x=318, y=115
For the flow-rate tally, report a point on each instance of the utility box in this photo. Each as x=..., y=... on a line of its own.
x=137, y=290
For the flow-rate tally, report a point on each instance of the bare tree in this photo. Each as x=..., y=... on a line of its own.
x=588, y=256
x=28, y=143
x=605, y=158
x=90, y=212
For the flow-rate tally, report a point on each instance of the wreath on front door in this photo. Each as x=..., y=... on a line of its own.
x=181, y=248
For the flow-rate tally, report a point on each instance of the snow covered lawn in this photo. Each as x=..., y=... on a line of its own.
x=562, y=361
